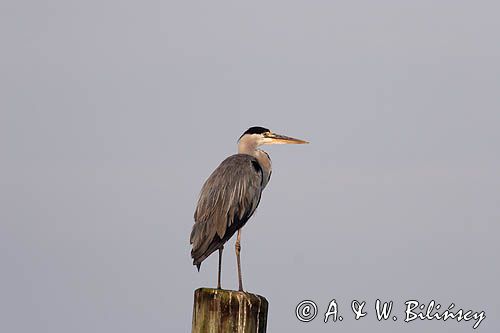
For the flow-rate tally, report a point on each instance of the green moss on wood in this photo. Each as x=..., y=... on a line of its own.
x=217, y=310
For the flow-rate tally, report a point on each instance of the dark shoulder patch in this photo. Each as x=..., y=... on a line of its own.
x=256, y=166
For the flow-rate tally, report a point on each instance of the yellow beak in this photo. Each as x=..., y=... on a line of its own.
x=282, y=139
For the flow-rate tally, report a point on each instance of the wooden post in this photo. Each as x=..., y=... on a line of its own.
x=228, y=311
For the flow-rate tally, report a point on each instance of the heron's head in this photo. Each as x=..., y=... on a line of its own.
x=258, y=136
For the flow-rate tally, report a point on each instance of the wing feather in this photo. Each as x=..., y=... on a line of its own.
x=227, y=200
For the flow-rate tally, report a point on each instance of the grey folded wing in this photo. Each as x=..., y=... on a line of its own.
x=227, y=200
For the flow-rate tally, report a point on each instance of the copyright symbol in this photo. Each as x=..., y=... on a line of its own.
x=306, y=311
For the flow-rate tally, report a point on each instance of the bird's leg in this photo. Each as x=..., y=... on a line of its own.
x=238, y=250
x=220, y=264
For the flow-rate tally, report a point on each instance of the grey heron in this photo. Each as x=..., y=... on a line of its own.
x=231, y=194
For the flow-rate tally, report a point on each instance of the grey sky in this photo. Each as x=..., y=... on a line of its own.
x=113, y=113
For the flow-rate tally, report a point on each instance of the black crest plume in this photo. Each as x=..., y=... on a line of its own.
x=256, y=130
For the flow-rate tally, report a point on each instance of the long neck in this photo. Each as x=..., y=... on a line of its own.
x=250, y=148
x=247, y=145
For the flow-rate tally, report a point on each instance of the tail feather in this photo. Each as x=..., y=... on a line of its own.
x=205, y=242
x=198, y=256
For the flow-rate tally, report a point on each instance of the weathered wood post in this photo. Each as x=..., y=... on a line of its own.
x=228, y=311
